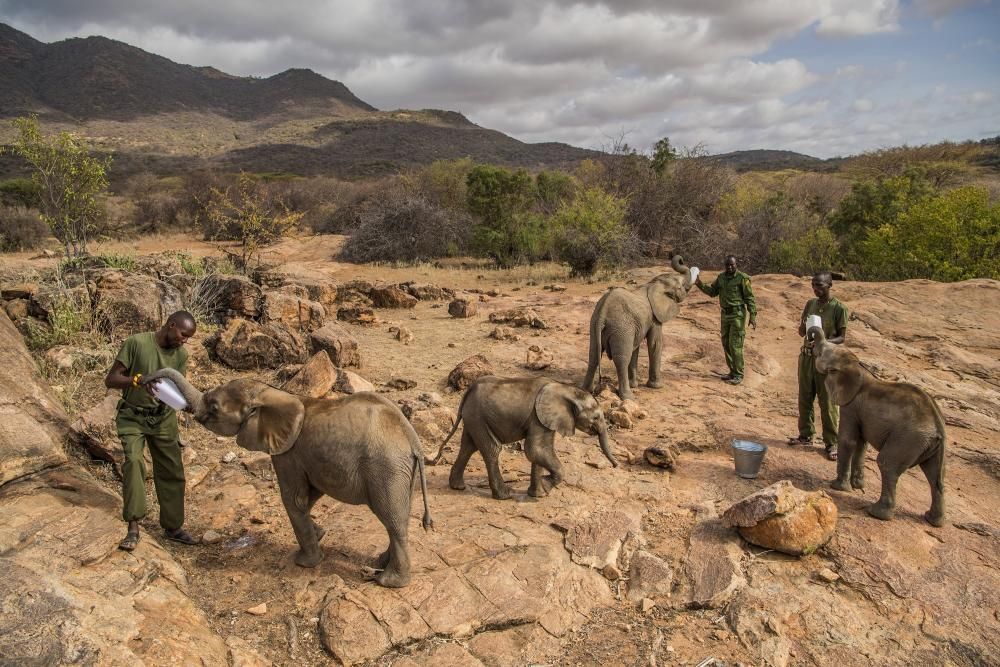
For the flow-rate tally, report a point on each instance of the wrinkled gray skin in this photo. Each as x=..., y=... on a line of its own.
x=899, y=420
x=360, y=450
x=623, y=318
x=501, y=410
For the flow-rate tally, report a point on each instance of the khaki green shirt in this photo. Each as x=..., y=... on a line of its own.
x=141, y=354
x=734, y=293
x=833, y=313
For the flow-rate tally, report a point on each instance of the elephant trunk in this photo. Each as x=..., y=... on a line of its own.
x=678, y=265
x=188, y=391
x=602, y=438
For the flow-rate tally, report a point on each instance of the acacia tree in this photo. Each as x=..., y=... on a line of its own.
x=68, y=179
x=247, y=213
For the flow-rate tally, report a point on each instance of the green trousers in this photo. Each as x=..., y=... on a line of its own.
x=733, y=334
x=159, y=432
x=812, y=385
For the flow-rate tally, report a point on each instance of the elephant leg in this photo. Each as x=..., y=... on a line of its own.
x=541, y=452
x=633, y=369
x=314, y=495
x=885, y=508
x=934, y=472
x=295, y=496
x=845, y=455
x=497, y=485
x=621, y=358
x=391, y=504
x=857, y=465
x=654, y=346
x=456, y=479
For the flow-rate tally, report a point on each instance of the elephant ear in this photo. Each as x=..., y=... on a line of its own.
x=663, y=299
x=554, y=406
x=274, y=423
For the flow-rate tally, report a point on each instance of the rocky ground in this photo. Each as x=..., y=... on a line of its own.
x=627, y=565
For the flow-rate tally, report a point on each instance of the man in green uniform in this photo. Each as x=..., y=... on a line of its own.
x=811, y=384
x=144, y=420
x=736, y=298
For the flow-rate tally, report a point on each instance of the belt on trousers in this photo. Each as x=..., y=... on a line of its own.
x=732, y=310
x=156, y=411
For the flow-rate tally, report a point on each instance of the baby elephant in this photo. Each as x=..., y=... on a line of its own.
x=899, y=420
x=500, y=410
x=360, y=450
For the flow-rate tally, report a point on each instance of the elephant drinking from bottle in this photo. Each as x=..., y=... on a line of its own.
x=623, y=318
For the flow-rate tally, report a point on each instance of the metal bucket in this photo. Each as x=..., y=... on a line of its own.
x=748, y=457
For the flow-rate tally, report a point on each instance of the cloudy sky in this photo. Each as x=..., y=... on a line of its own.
x=823, y=77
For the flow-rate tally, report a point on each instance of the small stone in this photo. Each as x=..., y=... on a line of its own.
x=211, y=537
x=827, y=575
x=504, y=333
x=229, y=457
x=646, y=605
x=400, y=384
x=259, y=610
x=662, y=457
x=349, y=382
x=621, y=419
x=556, y=288
x=538, y=358
x=221, y=438
x=404, y=335
x=462, y=308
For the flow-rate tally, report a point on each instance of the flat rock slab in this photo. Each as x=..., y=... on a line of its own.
x=526, y=586
x=597, y=540
x=25, y=447
x=71, y=597
x=713, y=568
x=784, y=518
x=96, y=432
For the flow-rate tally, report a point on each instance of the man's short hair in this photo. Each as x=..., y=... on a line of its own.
x=730, y=257
x=182, y=318
x=825, y=275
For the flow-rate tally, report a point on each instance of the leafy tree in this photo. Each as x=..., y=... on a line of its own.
x=954, y=236
x=68, y=179
x=554, y=189
x=247, y=212
x=663, y=154
x=590, y=231
x=805, y=254
x=873, y=203
x=443, y=183
x=502, y=199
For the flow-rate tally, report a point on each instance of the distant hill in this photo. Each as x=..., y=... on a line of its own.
x=769, y=160
x=157, y=115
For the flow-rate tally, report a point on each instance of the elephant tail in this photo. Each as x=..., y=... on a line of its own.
x=418, y=466
x=941, y=437
x=458, y=420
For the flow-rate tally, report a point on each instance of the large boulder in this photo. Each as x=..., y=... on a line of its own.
x=354, y=314
x=463, y=308
x=469, y=371
x=44, y=423
x=338, y=343
x=349, y=382
x=291, y=310
x=316, y=377
x=128, y=303
x=246, y=345
x=784, y=518
x=224, y=297
x=427, y=291
x=391, y=297
x=518, y=317
x=95, y=430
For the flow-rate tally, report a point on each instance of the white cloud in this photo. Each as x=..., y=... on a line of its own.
x=570, y=70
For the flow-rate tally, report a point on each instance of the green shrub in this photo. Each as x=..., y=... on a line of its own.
x=953, y=236
x=806, y=254
x=21, y=229
x=114, y=260
x=20, y=192
x=68, y=321
x=501, y=200
x=444, y=183
x=590, y=232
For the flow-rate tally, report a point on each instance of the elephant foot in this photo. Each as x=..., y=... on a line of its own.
x=654, y=384
x=880, y=511
x=392, y=579
x=840, y=485
x=626, y=395
x=382, y=560
x=308, y=558
x=503, y=493
x=936, y=520
x=458, y=485
x=858, y=483
x=536, y=492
